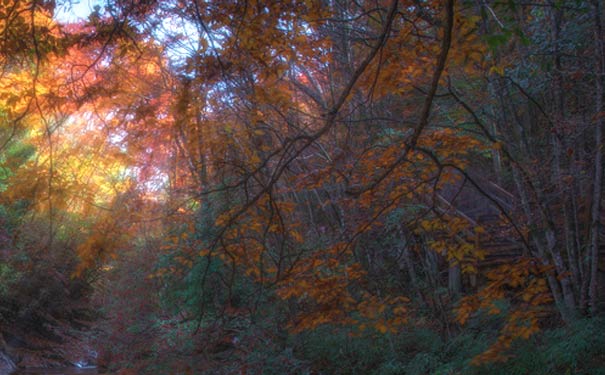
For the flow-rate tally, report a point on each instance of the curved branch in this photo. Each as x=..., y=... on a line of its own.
x=428, y=102
x=289, y=152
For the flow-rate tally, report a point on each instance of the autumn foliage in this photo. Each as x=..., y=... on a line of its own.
x=259, y=172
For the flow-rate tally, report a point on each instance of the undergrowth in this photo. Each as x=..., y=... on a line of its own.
x=578, y=348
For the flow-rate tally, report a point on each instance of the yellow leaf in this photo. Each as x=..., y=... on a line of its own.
x=381, y=327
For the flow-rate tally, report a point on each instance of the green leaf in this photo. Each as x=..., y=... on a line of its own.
x=496, y=40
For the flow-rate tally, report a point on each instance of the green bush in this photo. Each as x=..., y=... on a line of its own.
x=577, y=349
x=332, y=350
x=8, y=278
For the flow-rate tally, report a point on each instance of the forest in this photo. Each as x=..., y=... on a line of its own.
x=302, y=187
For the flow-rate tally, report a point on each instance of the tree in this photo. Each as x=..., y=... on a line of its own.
x=325, y=163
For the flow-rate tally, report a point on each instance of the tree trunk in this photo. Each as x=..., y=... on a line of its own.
x=553, y=283
x=454, y=278
x=557, y=146
x=598, y=173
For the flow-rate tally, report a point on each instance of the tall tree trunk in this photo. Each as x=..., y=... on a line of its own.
x=557, y=146
x=598, y=173
x=454, y=278
x=553, y=283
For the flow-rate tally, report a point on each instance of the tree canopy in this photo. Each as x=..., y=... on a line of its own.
x=277, y=173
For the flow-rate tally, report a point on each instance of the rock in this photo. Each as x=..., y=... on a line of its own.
x=6, y=365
